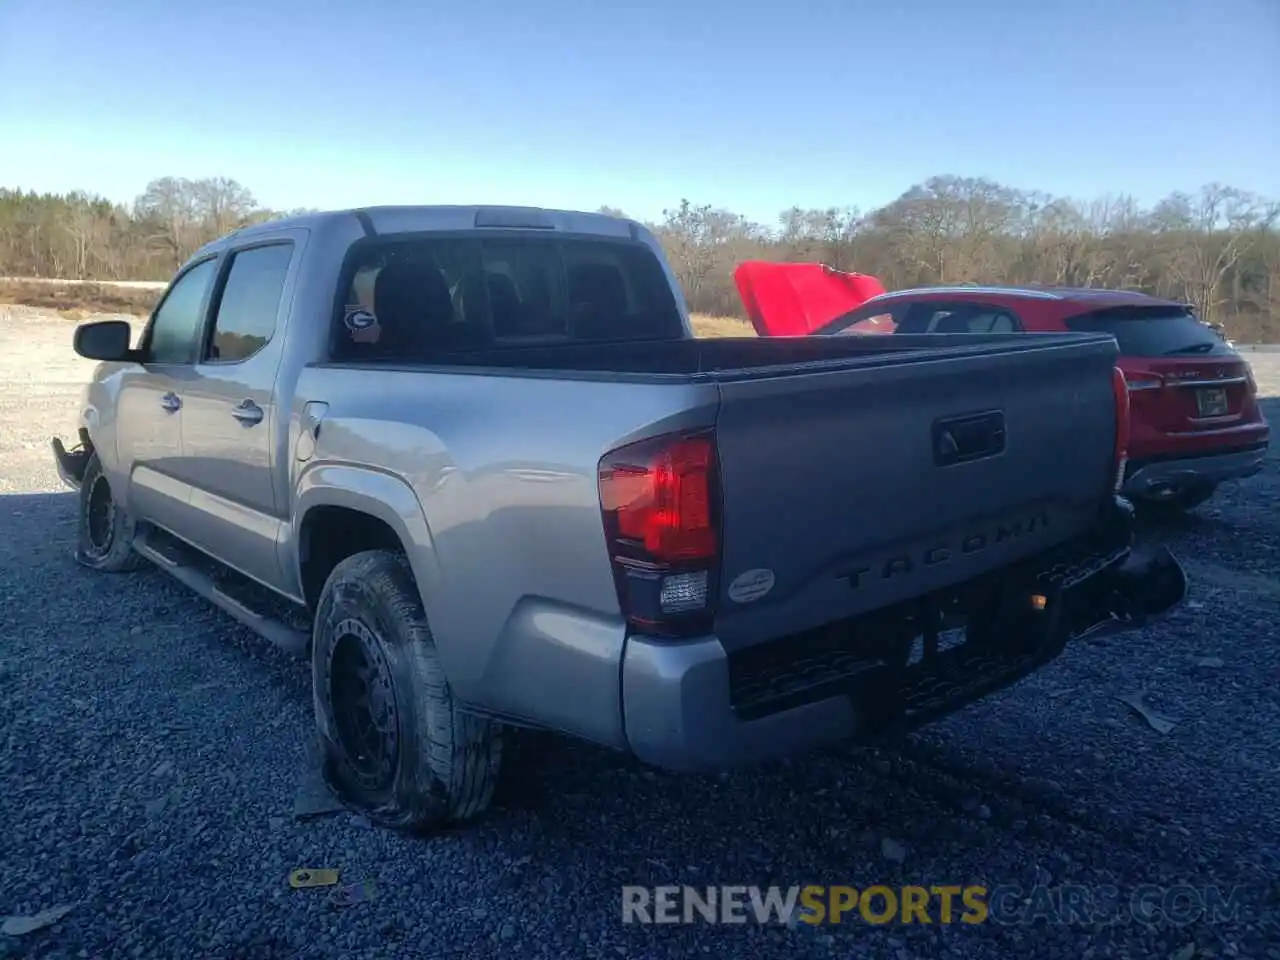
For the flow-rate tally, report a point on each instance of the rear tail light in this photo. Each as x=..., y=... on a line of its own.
x=660, y=503
x=1143, y=381
x=1251, y=383
x=1120, y=458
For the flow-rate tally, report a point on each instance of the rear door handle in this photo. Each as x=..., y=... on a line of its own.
x=171, y=402
x=247, y=412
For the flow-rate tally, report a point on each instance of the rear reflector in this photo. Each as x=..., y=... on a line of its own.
x=1143, y=381
x=1120, y=458
x=659, y=503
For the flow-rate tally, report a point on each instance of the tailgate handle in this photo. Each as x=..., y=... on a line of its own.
x=973, y=436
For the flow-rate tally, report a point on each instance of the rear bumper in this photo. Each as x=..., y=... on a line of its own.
x=1167, y=475
x=691, y=705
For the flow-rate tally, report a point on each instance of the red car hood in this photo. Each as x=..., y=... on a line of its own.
x=794, y=299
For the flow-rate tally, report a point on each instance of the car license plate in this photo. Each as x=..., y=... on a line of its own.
x=1212, y=403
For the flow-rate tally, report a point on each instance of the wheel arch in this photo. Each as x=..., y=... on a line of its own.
x=341, y=510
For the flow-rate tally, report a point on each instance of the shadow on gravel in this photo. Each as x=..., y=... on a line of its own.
x=970, y=800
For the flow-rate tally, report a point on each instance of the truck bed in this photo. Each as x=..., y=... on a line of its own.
x=728, y=358
x=831, y=481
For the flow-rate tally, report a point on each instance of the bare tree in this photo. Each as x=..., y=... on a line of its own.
x=221, y=205
x=1202, y=238
x=170, y=208
x=1216, y=248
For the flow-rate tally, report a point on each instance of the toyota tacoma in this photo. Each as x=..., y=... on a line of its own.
x=473, y=465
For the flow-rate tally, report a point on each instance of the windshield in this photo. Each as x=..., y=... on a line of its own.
x=1153, y=331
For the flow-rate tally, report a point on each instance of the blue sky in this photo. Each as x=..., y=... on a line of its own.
x=749, y=105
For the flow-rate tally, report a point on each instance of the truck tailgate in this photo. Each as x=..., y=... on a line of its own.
x=845, y=490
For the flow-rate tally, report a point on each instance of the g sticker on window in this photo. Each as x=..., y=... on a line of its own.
x=361, y=319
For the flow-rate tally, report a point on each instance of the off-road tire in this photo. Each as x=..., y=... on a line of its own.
x=1176, y=506
x=104, y=531
x=444, y=763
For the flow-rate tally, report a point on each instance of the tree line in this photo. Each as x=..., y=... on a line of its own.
x=1217, y=248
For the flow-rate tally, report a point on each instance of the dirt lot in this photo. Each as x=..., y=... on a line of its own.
x=151, y=753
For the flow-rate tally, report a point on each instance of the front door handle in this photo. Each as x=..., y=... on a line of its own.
x=247, y=412
x=171, y=403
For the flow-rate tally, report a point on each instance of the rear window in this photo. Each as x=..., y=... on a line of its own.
x=1152, y=331
x=427, y=297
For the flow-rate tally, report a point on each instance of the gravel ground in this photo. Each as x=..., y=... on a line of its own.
x=151, y=752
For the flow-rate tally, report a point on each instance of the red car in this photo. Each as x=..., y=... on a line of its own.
x=1195, y=421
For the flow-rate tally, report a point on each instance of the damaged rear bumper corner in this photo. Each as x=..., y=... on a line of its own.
x=688, y=706
x=71, y=463
x=1147, y=585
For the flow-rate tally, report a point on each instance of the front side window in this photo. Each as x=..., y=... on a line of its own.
x=870, y=318
x=247, y=309
x=176, y=323
x=957, y=318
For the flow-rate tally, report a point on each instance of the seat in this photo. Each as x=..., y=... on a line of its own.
x=414, y=309
x=954, y=323
x=597, y=300
x=502, y=298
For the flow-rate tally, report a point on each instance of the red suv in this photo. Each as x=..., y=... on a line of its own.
x=1193, y=400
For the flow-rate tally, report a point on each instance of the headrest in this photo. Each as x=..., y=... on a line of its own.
x=409, y=296
x=503, y=299
x=953, y=323
x=599, y=284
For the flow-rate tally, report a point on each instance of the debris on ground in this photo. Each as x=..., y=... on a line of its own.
x=1212, y=663
x=353, y=893
x=304, y=878
x=1158, y=723
x=314, y=798
x=892, y=850
x=20, y=926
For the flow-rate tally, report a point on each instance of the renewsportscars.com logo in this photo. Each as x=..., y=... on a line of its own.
x=936, y=904
x=811, y=904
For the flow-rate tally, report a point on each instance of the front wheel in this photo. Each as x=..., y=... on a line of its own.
x=105, y=532
x=396, y=745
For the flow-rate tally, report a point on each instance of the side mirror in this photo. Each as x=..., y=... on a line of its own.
x=104, y=340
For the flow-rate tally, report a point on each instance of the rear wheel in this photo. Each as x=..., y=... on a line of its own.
x=396, y=745
x=1176, y=505
x=105, y=532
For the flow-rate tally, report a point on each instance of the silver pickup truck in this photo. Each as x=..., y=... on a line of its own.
x=472, y=463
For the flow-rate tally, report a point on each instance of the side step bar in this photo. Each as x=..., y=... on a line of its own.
x=169, y=557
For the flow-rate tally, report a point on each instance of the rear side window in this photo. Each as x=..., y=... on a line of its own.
x=1158, y=331
x=246, y=315
x=957, y=318
x=423, y=298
